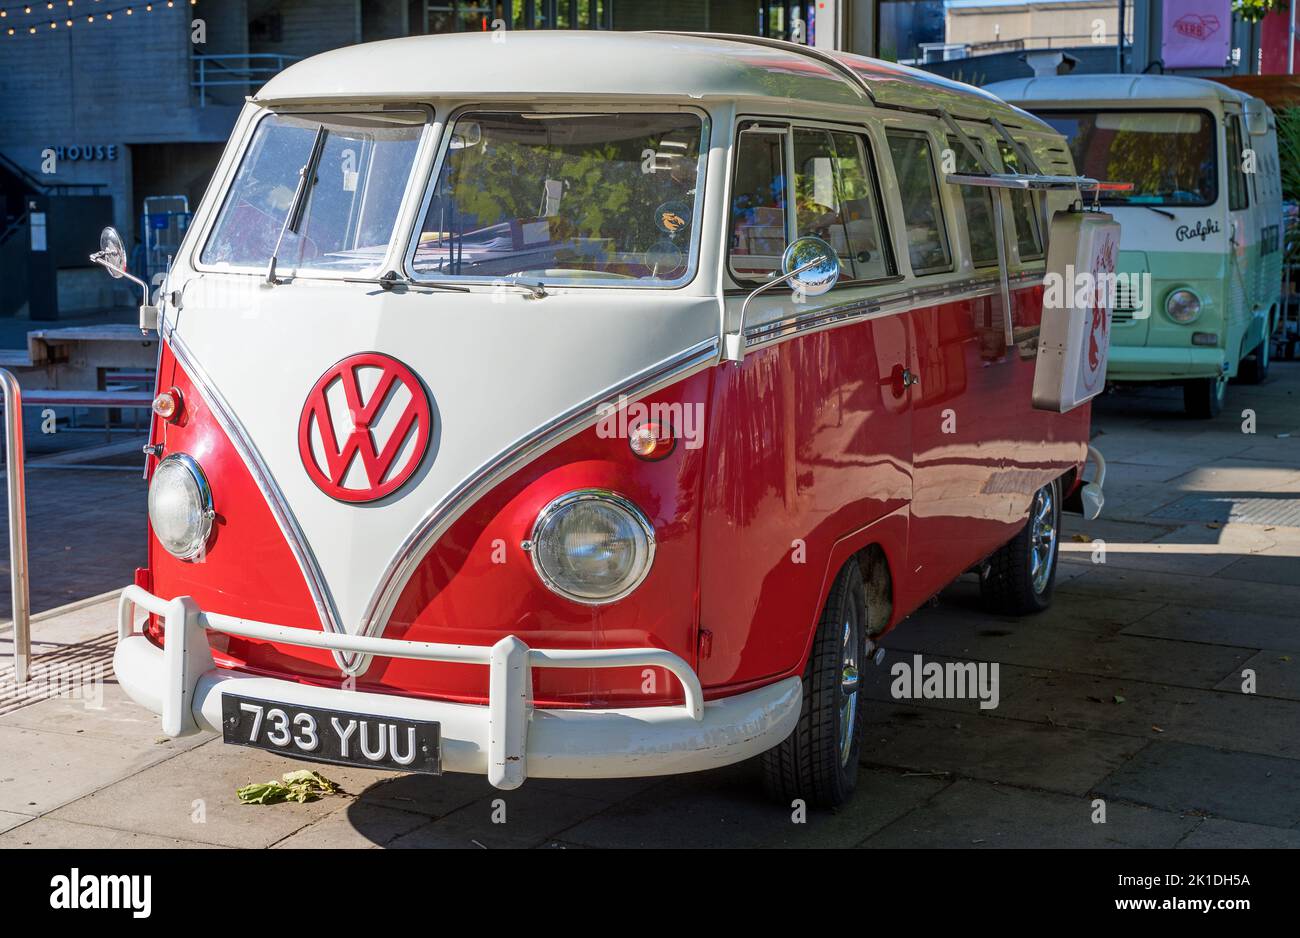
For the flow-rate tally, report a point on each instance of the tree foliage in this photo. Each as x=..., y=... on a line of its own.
x=1288, y=147
x=1252, y=11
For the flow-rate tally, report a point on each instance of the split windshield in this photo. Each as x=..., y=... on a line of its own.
x=347, y=211
x=1169, y=156
x=555, y=198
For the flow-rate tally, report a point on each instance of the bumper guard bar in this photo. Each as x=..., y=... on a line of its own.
x=187, y=657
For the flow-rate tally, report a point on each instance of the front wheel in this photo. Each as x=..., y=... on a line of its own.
x=1255, y=370
x=1204, y=397
x=818, y=762
x=1019, y=577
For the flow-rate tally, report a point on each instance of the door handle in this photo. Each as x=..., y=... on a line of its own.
x=910, y=378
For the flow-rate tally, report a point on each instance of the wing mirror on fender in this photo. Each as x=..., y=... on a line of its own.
x=810, y=265
x=112, y=257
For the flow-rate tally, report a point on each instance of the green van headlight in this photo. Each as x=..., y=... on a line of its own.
x=1183, y=306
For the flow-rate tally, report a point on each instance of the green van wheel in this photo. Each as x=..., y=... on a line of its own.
x=1255, y=370
x=1204, y=397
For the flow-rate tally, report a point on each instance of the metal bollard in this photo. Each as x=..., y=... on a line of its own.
x=13, y=401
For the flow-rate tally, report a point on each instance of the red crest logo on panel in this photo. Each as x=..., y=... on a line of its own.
x=364, y=428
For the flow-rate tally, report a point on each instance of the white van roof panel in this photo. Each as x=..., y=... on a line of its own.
x=1098, y=88
x=622, y=64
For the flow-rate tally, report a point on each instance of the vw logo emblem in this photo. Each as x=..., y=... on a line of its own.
x=365, y=428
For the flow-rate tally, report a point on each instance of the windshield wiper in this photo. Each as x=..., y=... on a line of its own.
x=393, y=279
x=535, y=291
x=293, y=219
x=1159, y=211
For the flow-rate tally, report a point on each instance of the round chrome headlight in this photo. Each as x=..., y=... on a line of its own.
x=180, y=506
x=1183, y=306
x=592, y=546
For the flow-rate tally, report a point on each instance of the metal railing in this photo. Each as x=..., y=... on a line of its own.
x=17, y=485
x=932, y=52
x=237, y=70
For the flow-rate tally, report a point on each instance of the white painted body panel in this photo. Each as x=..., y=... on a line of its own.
x=495, y=371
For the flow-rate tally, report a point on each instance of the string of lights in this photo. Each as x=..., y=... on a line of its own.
x=35, y=19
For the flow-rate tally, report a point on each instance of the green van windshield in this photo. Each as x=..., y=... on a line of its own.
x=1169, y=156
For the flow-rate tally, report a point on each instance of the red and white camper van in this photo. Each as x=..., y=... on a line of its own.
x=588, y=405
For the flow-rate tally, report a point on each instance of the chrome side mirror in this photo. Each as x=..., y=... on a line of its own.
x=112, y=257
x=112, y=253
x=810, y=265
x=1256, y=113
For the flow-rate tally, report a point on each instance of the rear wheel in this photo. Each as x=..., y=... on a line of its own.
x=1204, y=397
x=818, y=762
x=1019, y=577
x=1255, y=370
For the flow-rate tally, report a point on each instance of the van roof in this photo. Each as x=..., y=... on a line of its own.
x=618, y=64
x=1095, y=88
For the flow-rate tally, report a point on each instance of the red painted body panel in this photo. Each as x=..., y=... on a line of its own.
x=462, y=593
x=248, y=569
x=809, y=440
x=836, y=454
x=980, y=450
x=812, y=449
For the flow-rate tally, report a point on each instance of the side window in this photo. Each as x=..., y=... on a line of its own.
x=1237, y=198
x=977, y=201
x=1024, y=210
x=758, y=222
x=927, y=239
x=834, y=199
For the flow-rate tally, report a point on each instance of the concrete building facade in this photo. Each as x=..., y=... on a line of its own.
x=119, y=103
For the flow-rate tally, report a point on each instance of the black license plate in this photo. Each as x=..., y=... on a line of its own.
x=332, y=735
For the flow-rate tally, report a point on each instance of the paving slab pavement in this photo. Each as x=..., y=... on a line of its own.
x=1126, y=694
x=978, y=814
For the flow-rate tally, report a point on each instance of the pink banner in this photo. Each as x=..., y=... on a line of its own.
x=1196, y=34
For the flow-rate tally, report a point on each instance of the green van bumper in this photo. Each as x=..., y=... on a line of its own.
x=1163, y=363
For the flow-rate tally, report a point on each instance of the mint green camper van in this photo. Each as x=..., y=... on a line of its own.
x=1203, y=220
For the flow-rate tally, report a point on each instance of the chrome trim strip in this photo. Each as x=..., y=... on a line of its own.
x=774, y=331
x=452, y=506
x=316, y=584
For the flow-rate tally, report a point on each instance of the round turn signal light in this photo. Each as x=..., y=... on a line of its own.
x=167, y=405
x=651, y=441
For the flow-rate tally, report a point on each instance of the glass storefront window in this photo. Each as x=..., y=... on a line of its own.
x=449, y=16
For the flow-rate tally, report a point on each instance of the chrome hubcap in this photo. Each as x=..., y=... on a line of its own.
x=1042, y=537
x=849, y=681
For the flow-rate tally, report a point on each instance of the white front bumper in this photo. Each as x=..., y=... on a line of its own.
x=508, y=740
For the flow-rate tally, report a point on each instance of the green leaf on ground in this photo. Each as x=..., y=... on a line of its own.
x=301, y=786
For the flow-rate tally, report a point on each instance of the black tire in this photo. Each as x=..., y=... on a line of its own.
x=1204, y=397
x=1255, y=370
x=813, y=763
x=1010, y=580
